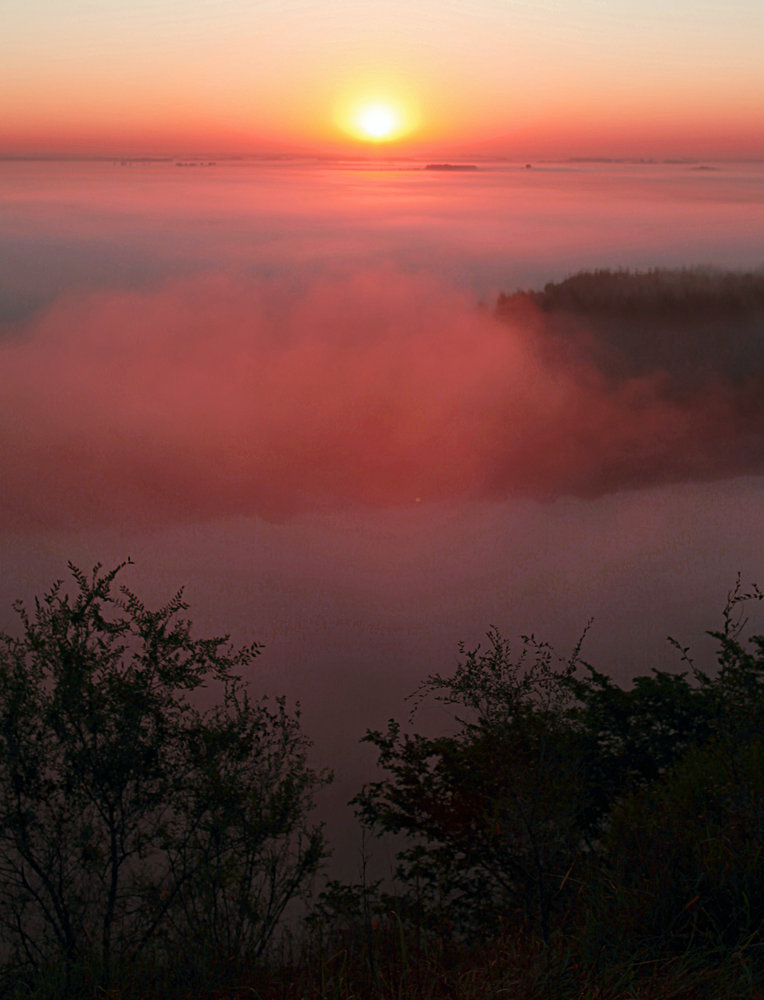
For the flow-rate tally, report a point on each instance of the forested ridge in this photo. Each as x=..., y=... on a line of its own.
x=655, y=291
x=695, y=325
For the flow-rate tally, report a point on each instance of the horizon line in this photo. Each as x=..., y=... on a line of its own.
x=375, y=157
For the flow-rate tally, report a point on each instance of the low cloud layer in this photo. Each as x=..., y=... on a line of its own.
x=220, y=395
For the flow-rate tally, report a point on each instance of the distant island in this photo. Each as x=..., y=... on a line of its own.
x=451, y=166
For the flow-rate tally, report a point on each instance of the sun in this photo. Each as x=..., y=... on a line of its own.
x=376, y=115
x=377, y=122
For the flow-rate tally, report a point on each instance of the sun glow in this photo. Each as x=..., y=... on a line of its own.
x=377, y=117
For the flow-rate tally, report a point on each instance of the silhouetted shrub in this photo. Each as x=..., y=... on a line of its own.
x=683, y=855
x=626, y=821
x=492, y=813
x=136, y=827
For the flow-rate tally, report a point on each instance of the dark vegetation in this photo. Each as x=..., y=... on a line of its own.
x=695, y=324
x=139, y=833
x=569, y=837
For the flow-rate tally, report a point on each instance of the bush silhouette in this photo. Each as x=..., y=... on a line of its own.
x=492, y=813
x=625, y=821
x=133, y=822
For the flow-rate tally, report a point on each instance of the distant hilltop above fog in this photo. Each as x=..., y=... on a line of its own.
x=685, y=323
x=679, y=290
x=451, y=166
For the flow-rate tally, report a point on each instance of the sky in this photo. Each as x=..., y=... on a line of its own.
x=523, y=79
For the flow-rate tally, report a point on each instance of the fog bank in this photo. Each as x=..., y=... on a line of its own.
x=232, y=396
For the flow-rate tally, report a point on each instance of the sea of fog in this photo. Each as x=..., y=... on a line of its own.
x=281, y=384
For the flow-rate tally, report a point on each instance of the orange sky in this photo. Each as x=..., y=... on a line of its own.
x=519, y=79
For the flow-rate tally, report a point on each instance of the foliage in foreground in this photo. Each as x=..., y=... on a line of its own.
x=569, y=837
x=135, y=827
x=624, y=823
